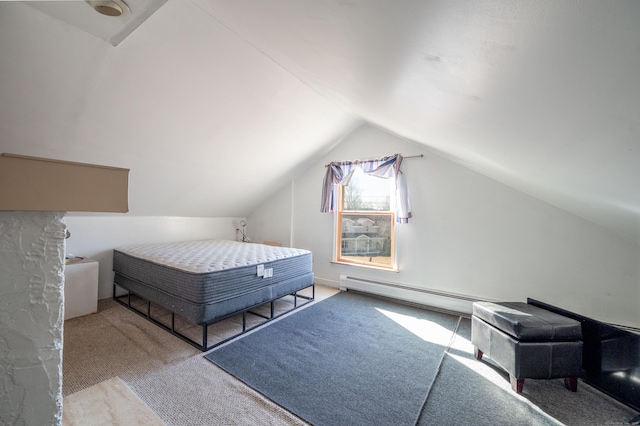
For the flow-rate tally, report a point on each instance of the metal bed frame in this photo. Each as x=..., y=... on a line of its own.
x=205, y=325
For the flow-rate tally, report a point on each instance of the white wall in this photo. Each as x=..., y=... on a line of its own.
x=473, y=235
x=96, y=236
x=261, y=226
x=31, y=317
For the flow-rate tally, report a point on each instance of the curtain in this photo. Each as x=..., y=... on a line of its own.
x=339, y=173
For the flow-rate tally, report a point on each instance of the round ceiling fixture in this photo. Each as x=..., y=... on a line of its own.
x=110, y=7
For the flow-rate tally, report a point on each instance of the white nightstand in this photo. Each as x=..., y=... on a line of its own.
x=80, y=288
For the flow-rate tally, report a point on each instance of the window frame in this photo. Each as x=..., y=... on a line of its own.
x=338, y=241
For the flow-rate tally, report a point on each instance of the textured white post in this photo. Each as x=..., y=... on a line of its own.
x=32, y=250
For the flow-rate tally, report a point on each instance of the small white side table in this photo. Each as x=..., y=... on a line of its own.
x=80, y=287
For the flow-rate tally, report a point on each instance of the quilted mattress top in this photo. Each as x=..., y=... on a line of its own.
x=204, y=256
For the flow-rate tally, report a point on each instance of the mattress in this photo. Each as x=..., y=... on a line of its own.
x=207, y=279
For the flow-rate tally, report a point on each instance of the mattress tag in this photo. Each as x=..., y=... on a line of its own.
x=268, y=273
x=260, y=270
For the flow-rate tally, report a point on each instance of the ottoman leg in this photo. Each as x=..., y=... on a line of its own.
x=516, y=384
x=478, y=353
x=571, y=383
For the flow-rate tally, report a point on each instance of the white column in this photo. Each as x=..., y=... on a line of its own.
x=31, y=317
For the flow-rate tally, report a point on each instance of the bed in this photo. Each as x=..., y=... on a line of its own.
x=207, y=281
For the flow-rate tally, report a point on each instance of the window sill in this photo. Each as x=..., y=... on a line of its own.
x=379, y=268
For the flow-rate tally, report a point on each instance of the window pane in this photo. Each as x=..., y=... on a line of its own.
x=367, y=193
x=366, y=239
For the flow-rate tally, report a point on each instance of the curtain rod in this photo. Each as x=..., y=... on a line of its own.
x=408, y=156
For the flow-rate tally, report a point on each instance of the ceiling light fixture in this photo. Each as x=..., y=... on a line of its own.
x=110, y=7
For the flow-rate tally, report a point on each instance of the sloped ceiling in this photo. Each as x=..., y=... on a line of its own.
x=215, y=103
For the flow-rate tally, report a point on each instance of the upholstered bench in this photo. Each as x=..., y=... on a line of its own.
x=528, y=342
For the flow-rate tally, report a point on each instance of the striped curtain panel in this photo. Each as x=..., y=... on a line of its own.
x=339, y=173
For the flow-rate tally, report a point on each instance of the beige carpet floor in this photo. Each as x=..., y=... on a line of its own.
x=108, y=403
x=170, y=376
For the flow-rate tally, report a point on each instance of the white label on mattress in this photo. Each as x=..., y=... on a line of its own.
x=260, y=270
x=268, y=273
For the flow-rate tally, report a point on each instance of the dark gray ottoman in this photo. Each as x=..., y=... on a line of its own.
x=528, y=342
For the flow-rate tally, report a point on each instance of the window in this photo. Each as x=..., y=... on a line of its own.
x=365, y=222
x=367, y=205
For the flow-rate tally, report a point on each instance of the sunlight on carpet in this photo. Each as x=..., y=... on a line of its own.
x=428, y=331
x=464, y=346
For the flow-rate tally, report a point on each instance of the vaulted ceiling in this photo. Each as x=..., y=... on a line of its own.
x=213, y=104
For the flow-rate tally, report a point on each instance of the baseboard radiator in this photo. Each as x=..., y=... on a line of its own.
x=433, y=298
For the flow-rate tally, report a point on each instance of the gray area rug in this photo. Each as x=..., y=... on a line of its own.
x=351, y=359
x=465, y=395
x=468, y=391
